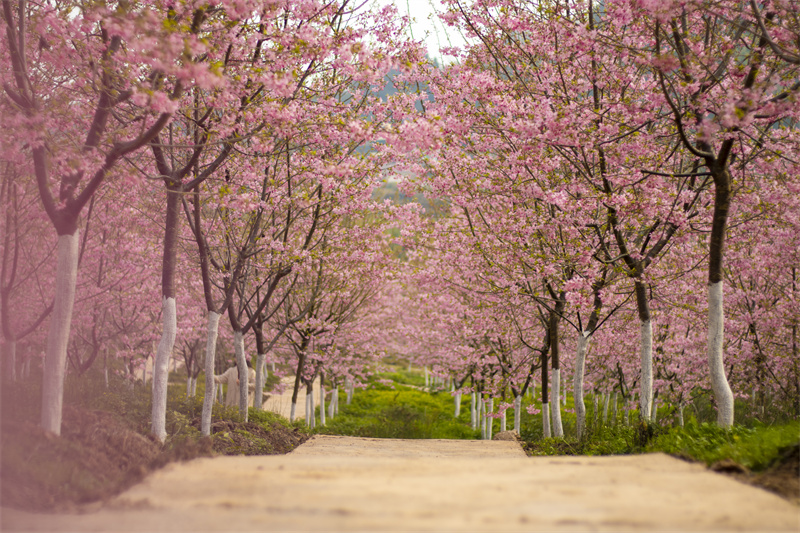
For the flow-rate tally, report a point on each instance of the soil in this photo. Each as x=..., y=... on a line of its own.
x=248, y=438
x=782, y=478
x=98, y=456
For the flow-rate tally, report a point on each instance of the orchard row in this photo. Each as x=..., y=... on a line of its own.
x=609, y=189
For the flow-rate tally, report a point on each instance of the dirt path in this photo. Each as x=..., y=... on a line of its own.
x=351, y=484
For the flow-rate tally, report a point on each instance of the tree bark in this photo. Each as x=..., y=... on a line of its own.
x=241, y=362
x=580, y=366
x=169, y=317
x=558, y=429
x=322, y=399
x=716, y=318
x=645, y=351
x=719, y=382
x=546, y=420
x=212, y=330
x=58, y=335
x=258, y=402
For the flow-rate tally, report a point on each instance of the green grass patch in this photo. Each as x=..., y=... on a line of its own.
x=401, y=414
x=755, y=448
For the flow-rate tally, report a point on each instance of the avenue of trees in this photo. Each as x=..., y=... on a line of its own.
x=611, y=197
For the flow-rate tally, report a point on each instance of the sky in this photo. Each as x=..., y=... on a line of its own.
x=427, y=27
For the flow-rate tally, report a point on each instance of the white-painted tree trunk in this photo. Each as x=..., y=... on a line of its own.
x=606, y=398
x=546, y=420
x=457, y=400
x=646, y=380
x=336, y=398
x=58, y=335
x=489, y=419
x=680, y=414
x=189, y=387
x=292, y=412
x=161, y=369
x=485, y=420
x=517, y=413
x=349, y=389
x=321, y=404
x=577, y=386
x=332, y=403
x=241, y=362
x=555, y=397
x=482, y=415
x=212, y=330
x=473, y=415
x=716, y=365
x=105, y=367
x=258, y=401
x=503, y=422
x=310, y=416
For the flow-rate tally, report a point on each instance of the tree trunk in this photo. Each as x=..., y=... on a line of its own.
x=719, y=382
x=322, y=400
x=241, y=362
x=350, y=390
x=645, y=351
x=258, y=402
x=332, y=402
x=457, y=400
x=517, y=413
x=546, y=420
x=212, y=330
x=489, y=419
x=161, y=369
x=310, y=417
x=169, y=317
x=58, y=335
x=473, y=415
x=503, y=422
x=301, y=360
x=558, y=428
x=716, y=318
x=577, y=386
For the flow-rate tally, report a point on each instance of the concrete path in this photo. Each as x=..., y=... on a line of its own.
x=351, y=484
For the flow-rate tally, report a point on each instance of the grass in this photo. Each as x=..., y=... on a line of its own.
x=755, y=448
x=400, y=414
